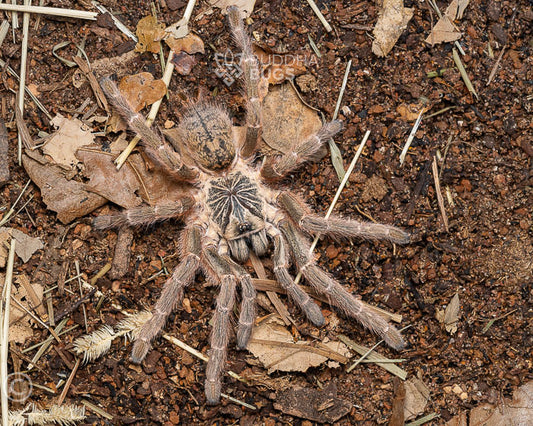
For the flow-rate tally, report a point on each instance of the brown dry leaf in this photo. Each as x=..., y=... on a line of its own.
x=274, y=345
x=150, y=33
x=322, y=406
x=410, y=112
x=190, y=44
x=184, y=62
x=245, y=6
x=141, y=90
x=444, y=30
x=416, y=398
x=390, y=25
x=71, y=135
x=450, y=316
x=516, y=412
x=286, y=119
x=69, y=198
x=130, y=185
x=118, y=186
x=278, y=67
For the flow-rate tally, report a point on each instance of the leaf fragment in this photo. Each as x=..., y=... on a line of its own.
x=392, y=22
x=150, y=33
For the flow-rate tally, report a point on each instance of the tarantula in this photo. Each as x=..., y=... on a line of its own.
x=231, y=211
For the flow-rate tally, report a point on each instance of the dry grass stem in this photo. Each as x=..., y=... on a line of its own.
x=370, y=355
x=495, y=67
x=100, y=273
x=4, y=28
x=5, y=308
x=336, y=156
x=23, y=68
x=319, y=15
x=463, y=73
x=440, y=200
x=411, y=137
x=45, y=345
x=97, y=410
x=423, y=420
x=10, y=212
x=35, y=318
x=337, y=195
x=121, y=27
x=54, y=11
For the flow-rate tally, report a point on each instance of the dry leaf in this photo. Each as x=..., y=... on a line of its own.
x=416, y=398
x=444, y=30
x=286, y=120
x=141, y=90
x=518, y=412
x=150, y=34
x=118, y=186
x=450, y=316
x=278, y=67
x=190, y=44
x=410, y=112
x=184, y=63
x=69, y=198
x=322, y=406
x=274, y=345
x=390, y=25
x=245, y=6
x=26, y=245
x=71, y=135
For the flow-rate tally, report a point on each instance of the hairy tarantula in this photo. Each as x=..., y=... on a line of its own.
x=231, y=211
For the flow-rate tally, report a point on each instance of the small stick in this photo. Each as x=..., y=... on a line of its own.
x=4, y=323
x=69, y=382
x=440, y=200
x=23, y=62
x=495, y=68
x=337, y=195
x=411, y=137
x=54, y=11
x=463, y=73
x=318, y=13
x=12, y=209
x=35, y=318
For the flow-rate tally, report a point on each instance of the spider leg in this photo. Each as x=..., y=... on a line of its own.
x=154, y=146
x=220, y=332
x=145, y=215
x=302, y=299
x=172, y=292
x=337, y=295
x=276, y=168
x=314, y=224
x=252, y=79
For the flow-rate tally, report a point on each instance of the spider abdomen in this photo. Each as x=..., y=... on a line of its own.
x=238, y=211
x=207, y=133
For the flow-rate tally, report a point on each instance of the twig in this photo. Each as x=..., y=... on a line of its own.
x=440, y=200
x=4, y=330
x=318, y=13
x=54, y=11
x=337, y=195
x=23, y=62
x=12, y=209
x=411, y=137
x=69, y=382
x=495, y=67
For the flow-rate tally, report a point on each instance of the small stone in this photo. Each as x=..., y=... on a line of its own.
x=456, y=389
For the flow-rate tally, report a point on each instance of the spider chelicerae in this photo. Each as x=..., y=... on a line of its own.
x=231, y=210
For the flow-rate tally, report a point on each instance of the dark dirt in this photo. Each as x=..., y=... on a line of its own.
x=486, y=257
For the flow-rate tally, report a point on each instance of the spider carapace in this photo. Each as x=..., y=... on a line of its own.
x=233, y=205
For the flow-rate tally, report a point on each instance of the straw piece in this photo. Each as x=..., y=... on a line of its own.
x=411, y=137
x=53, y=11
x=440, y=200
x=319, y=15
x=125, y=30
x=463, y=73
